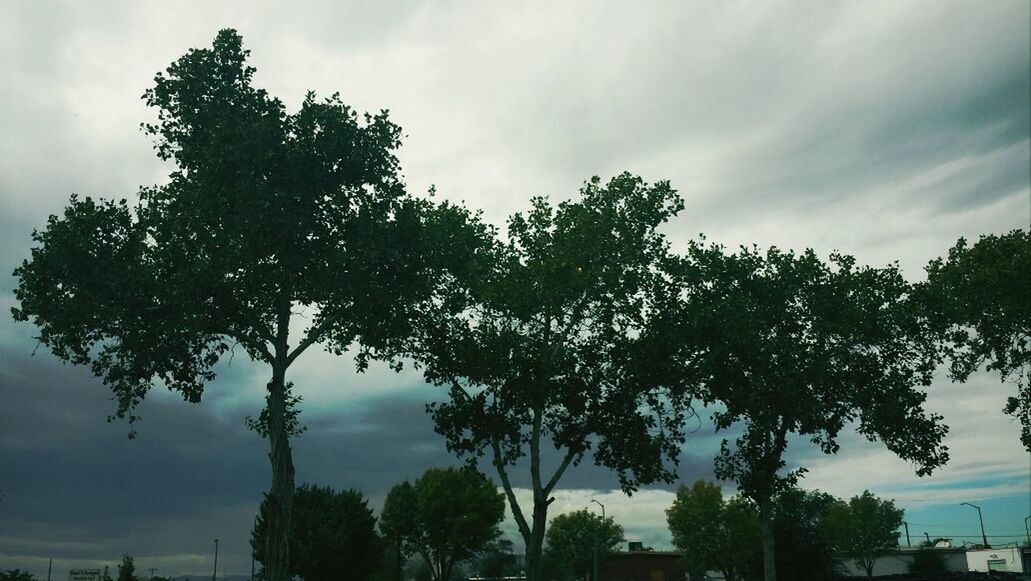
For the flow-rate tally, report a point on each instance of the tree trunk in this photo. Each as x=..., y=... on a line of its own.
x=281, y=496
x=766, y=532
x=535, y=543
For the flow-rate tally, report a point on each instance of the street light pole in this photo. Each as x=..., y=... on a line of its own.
x=1027, y=530
x=215, y=572
x=981, y=520
x=595, y=577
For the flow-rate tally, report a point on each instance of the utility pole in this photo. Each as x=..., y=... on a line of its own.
x=50, y=567
x=981, y=520
x=906, y=524
x=215, y=572
x=152, y=569
x=252, y=565
x=595, y=577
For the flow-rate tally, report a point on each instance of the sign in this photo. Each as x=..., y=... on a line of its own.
x=84, y=575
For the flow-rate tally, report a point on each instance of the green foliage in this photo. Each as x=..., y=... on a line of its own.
x=126, y=570
x=927, y=560
x=331, y=532
x=573, y=537
x=713, y=534
x=787, y=344
x=865, y=528
x=448, y=516
x=266, y=214
x=800, y=530
x=546, y=348
x=979, y=296
x=16, y=575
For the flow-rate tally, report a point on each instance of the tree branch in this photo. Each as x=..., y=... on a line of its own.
x=558, y=473
x=517, y=512
x=314, y=335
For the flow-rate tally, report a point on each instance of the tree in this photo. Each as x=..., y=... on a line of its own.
x=865, y=528
x=127, y=570
x=398, y=523
x=980, y=297
x=266, y=214
x=546, y=349
x=331, y=532
x=449, y=515
x=714, y=534
x=576, y=539
x=787, y=344
x=802, y=537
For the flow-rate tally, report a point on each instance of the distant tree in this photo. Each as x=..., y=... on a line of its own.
x=398, y=525
x=573, y=538
x=980, y=296
x=713, y=534
x=127, y=570
x=800, y=528
x=865, y=528
x=449, y=515
x=16, y=575
x=331, y=532
x=546, y=350
x=787, y=344
x=266, y=214
x=927, y=560
x=498, y=559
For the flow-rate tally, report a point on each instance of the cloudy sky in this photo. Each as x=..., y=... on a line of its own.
x=884, y=129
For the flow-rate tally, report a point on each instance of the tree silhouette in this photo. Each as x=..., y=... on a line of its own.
x=787, y=344
x=265, y=214
x=545, y=350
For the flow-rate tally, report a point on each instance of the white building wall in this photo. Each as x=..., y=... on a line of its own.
x=979, y=560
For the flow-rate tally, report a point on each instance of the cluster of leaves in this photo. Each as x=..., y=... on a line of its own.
x=578, y=540
x=978, y=296
x=865, y=528
x=330, y=532
x=448, y=516
x=810, y=530
x=713, y=533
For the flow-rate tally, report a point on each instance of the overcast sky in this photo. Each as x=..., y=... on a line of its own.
x=885, y=129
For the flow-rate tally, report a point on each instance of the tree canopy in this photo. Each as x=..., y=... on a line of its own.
x=332, y=533
x=979, y=294
x=266, y=214
x=544, y=351
x=713, y=533
x=865, y=528
x=576, y=539
x=447, y=516
x=787, y=344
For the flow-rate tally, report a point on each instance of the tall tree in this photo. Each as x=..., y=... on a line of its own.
x=865, y=528
x=127, y=569
x=980, y=296
x=788, y=344
x=576, y=539
x=713, y=533
x=266, y=213
x=803, y=540
x=449, y=515
x=546, y=350
x=332, y=533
